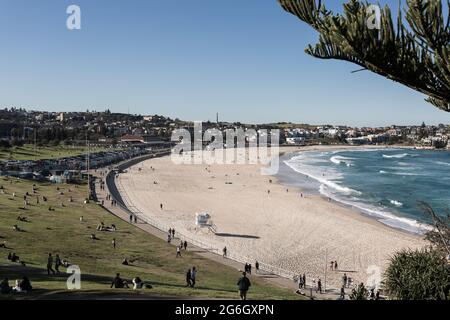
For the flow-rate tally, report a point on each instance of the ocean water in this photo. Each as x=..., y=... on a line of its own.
x=386, y=184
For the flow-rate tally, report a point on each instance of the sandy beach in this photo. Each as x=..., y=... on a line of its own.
x=280, y=228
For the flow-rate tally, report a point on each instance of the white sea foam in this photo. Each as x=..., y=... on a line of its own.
x=408, y=174
x=342, y=160
x=297, y=166
x=307, y=164
x=383, y=216
x=396, y=156
x=396, y=203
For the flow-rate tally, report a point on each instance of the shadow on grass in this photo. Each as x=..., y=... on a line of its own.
x=36, y=274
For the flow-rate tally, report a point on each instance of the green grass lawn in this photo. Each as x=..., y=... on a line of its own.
x=27, y=152
x=60, y=231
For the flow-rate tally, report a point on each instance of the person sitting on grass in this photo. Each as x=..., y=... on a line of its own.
x=3, y=245
x=23, y=286
x=125, y=262
x=110, y=229
x=4, y=287
x=17, y=288
x=93, y=237
x=137, y=283
x=119, y=283
x=14, y=258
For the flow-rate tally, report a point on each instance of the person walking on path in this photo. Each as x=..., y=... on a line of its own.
x=185, y=245
x=300, y=282
x=131, y=218
x=319, y=286
x=178, y=252
x=344, y=280
x=342, y=296
x=188, y=278
x=58, y=263
x=193, y=276
x=50, y=264
x=224, y=252
x=257, y=266
x=243, y=285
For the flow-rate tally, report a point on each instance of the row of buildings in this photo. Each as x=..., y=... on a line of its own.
x=419, y=136
x=118, y=129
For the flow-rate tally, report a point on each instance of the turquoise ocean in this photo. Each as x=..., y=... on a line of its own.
x=386, y=184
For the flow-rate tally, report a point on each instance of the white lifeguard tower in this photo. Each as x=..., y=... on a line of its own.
x=202, y=219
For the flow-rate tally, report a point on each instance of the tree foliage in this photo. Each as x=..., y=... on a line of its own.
x=359, y=293
x=418, y=275
x=414, y=51
x=439, y=236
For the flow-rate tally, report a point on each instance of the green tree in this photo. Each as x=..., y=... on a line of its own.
x=439, y=236
x=417, y=275
x=415, y=52
x=359, y=293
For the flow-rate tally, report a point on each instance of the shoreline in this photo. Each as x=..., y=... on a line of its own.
x=353, y=207
x=256, y=225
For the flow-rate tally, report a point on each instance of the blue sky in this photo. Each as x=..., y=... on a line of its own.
x=189, y=59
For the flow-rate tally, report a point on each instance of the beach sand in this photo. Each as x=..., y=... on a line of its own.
x=280, y=228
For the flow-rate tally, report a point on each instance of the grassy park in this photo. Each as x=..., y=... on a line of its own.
x=27, y=152
x=60, y=231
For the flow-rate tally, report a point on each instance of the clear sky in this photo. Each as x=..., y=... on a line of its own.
x=189, y=59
